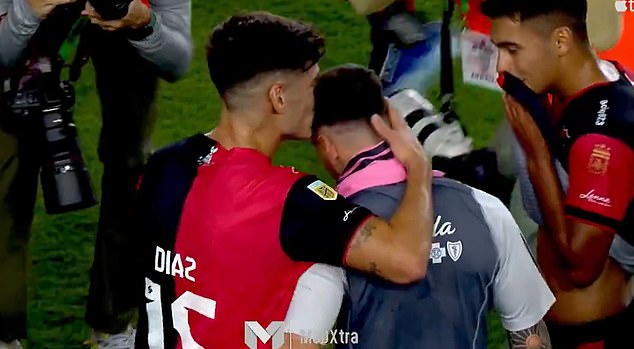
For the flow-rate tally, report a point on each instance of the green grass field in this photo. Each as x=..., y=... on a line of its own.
x=62, y=245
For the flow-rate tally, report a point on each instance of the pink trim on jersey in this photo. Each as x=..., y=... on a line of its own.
x=382, y=172
x=378, y=173
x=353, y=168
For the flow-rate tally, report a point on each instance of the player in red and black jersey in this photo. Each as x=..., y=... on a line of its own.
x=545, y=44
x=228, y=234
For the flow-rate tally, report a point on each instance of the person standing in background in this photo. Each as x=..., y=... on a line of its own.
x=130, y=54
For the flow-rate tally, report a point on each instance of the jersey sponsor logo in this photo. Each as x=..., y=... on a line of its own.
x=323, y=190
x=444, y=229
x=599, y=159
x=437, y=253
x=454, y=249
x=206, y=160
x=601, y=114
x=596, y=199
x=165, y=261
x=347, y=213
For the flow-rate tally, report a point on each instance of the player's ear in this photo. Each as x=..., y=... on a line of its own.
x=562, y=39
x=328, y=144
x=277, y=98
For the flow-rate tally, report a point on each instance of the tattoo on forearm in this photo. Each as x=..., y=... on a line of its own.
x=535, y=337
x=365, y=233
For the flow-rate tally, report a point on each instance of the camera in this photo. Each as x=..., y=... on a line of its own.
x=451, y=151
x=111, y=9
x=438, y=137
x=40, y=111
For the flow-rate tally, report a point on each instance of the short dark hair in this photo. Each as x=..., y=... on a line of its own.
x=253, y=43
x=572, y=13
x=347, y=93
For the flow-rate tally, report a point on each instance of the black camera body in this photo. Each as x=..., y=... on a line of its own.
x=111, y=9
x=40, y=112
x=450, y=149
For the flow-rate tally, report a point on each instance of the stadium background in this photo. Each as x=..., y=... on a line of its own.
x=62, y=245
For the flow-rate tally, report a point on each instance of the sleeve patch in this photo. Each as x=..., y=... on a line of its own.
x=323, y=190
x=600, y=169
x=599, y=159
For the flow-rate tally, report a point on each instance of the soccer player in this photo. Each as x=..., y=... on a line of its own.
x=545, y=44
x=228, y=233
x=478, y=259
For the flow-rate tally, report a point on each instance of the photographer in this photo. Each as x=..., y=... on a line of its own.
x=383, y=16
x=131, y=44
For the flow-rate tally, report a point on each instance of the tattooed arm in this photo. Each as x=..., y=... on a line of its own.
x=534, y=337
x=318, y=225
x=398, y=249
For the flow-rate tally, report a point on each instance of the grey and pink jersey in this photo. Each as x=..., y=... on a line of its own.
x=478, y=262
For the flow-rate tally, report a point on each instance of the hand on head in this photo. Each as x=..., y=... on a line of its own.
x=406, y=148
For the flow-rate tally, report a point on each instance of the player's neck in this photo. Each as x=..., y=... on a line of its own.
x=576, y=77
x=357, y=144
x=246, y=129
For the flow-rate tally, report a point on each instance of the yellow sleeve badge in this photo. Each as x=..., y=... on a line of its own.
x=323, y=190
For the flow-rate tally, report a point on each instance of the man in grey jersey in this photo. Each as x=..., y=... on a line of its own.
x=153, y=40
x=478, y=259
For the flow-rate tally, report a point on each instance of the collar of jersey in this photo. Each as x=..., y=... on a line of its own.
x=371, y=167
x=239, y=153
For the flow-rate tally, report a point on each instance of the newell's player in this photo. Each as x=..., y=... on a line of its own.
x=479, y=260
x=545, y=43
x=228, y=233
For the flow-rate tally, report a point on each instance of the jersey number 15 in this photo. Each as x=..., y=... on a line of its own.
x=180, y=318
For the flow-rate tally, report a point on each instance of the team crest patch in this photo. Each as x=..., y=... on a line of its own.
x=599, y=159
x=454, y=249
x=323, y=190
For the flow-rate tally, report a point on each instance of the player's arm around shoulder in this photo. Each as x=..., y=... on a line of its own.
x=318, y=225
x=520, y=294
x=398, y=249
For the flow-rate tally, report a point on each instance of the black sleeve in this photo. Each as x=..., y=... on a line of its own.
x=318, y=223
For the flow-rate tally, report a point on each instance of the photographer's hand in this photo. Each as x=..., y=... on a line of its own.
x=139, y=15
x=43, y=8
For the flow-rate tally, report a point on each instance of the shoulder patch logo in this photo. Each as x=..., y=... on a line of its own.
x=323, y=190
x=599, y=159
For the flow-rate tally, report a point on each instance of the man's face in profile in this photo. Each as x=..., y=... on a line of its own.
x=525, y=52
x=301, y=102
